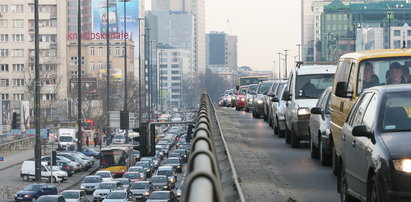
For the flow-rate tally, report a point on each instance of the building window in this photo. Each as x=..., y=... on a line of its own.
x=4, y=67
x=175, y=90
x=4, y=8
x=92, y=51
x=92, y=67
x=18, y=82
x=175, y=84
x=4, y=52
x=175, y=78
x=174, y=60
x=4, y=37
x=18, y=67
x=397, y=32
x=48, y=97
x=163, y=66
x=175, y=96
x=18, y=52
x=175, y=72
x=18, y=23
x=397, y=44
x=4, y=23
x=18, y=96
x=175, y=66
x=100, y=66
x=408, y=43
x=5, y=96
x=4, y=82
x=100, y=51
x=18, y=37
x=17, y=8
x=118, y=53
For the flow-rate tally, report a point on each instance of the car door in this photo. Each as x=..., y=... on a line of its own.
x=316, y=119
x=83, y=197
x=288, y=110
x=350, y=152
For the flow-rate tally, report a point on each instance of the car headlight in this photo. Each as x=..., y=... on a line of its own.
x=146, y=193
x=27, y=196
x=165, y=187
x=95, y=194
x=403, y=165
x=242, y=99
x=250, y=100
x=148, y=170
x=303, y=112
x=82, y=187
x=260, y=101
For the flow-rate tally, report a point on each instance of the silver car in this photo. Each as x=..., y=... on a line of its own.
x=249, y=97
x=278, y=109
x=105, y=188
x=90, y=183
x=74, y=195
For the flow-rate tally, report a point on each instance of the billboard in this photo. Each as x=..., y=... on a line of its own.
x=118, y=16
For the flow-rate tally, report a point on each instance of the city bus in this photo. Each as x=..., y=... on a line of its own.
x=247, y=80
x=117, y=159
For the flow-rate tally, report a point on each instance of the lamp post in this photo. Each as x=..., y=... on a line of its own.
x=161, y=81
x=273, y=68
x=37, y=147
x=147, y=95
x=285, y=62
x=79, y=133
x=279, y=65
x=125, y=108
x=139, y=71
x=108, y=68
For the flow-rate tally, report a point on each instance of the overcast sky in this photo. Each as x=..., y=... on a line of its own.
x=263, y=27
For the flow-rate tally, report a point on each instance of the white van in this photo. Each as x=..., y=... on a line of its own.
x=67, y=137
x=28, y=172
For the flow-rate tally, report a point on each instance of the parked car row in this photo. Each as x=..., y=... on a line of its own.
x=356, y=117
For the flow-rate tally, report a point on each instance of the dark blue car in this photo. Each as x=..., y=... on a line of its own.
x=90, y=152
x=34, y=191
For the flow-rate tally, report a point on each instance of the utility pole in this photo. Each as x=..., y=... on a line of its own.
x=148, y=111
x=285, y=62
x=37, y=148
x=279, y=65
x=125, y=109
x=140, y=80
x=273, y=68
x=108, y=69
x=79, y=60
x=161, y=81
x=389, y=15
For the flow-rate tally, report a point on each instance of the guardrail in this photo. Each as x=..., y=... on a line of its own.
x=204, y=176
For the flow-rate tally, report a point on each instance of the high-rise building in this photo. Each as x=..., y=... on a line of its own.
x=17, y=53
x=221, y=52
x=86, y=16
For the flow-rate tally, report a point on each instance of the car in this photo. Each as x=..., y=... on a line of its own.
x=375, y=155
x=175, y=163
x=65, y=164
x=258, y=98
x=249, y=97
x=119, y=139
x=278, y=109
x=169, y=172
x=118, y=196
x=267, y=101
x=90, y=183
x=178, y=155
x=34, y=191
x=50, y=173
x=180, y=189
x=240, y=100
x=133, y=176
x=350, y=82
x=277, y=87
x=305, y=84
x=230, y=98
x=74, y=195
x=146, y=166
x=184, y=154
x=139, y=169
x=90, y=152
x=160, y=182
x=124, y=181
x=319, y=127
x=224, y=98
x=167, y=196
x=84, y=166
x=51, y=198
x=141, y=189
x=106, y=175
x=136, y=154
x=104, y=188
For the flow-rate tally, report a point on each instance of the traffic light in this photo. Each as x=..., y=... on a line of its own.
x=15, y=123
x=124, y=116
x=53, y=158
x=147, y=140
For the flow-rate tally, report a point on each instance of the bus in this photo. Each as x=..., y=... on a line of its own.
x=247, y=80
x=117, y=159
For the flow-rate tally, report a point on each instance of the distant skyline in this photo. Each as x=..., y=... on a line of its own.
x=263, y=27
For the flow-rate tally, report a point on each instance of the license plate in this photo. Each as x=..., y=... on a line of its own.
x=20, y=198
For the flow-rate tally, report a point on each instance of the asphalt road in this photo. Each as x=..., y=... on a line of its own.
x=269, y=169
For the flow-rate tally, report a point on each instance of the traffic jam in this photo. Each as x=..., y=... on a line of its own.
x=355, y=115
x=116, y=171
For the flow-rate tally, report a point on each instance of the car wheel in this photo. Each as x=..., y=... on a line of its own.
x=246, y=109
x=270, y=122
x=237, y=108
x=313, y=149
x=374, y=191
x=26, y=178
x=325, y=159
x=294, y=141
x=287, y=136
x=345, y=197
x=334, y=162
x=275, y=127
x=254, y=114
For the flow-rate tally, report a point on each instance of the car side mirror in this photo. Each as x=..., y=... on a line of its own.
x=341, y=90
x=275, y=99
x=316, y=110
x=265, y=93
x=287, y=96
x=361, y=131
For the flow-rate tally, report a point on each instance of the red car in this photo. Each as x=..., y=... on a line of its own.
x=240, y=101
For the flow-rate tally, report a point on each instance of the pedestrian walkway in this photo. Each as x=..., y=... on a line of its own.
x=15, y=158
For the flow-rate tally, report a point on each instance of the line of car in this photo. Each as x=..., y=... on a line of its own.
x=359, y=127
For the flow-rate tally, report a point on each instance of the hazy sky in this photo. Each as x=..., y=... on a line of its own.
x=263, y=27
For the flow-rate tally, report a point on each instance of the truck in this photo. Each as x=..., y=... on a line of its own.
x=67, y=137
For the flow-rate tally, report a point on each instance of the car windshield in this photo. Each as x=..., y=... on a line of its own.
x=311, y=86
x=70, y=195
x=251, y=88
x=140, y=186
x=280, y=89
x=66, y=138
x=31, y=188
x=165, y=172
x=264, y=87
x=174, y=161
x=138, y=169
x=243, y=90
x=159, y=179
x=159, y=195
x=103, y=174
x=117, y=195
x=48, y=199
x=92, y=180
x=118, y=137
x=397, y=112
x=106, y=186
x=383, y=71
x=131, y=175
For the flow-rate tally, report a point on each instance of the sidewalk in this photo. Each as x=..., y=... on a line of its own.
x=12, y=159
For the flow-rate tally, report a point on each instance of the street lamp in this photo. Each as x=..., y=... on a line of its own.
x=79, y=133
x=139, y=71
x=299, y=52
x=273, y=68
x=161, y=81
x=285, y=62
x=279, y=65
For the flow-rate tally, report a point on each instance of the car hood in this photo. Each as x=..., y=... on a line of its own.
x=72, y=200
x=89, y=184
x=102, y=191
x=310, y=103
x=26, y=192
x=159, y=184
x=139, y=191
x=114, y=200
x=397, y=144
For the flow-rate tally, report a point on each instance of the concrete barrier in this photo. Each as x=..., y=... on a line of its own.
x=17, y=145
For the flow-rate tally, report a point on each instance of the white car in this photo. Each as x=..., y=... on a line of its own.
x=277, y=111
x=74, y=196
x=105, y=188
x=106, y=175
x=118, y=196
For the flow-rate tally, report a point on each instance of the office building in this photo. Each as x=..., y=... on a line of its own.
x=221, y=52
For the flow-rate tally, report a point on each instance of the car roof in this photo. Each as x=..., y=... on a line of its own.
x=165, y=167
x=391, y=88
x=73, y=190
x=316, y=69
x=382, y=53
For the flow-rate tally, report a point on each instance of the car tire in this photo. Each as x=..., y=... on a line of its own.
x=246, y=109
x=334, y=160
x=374, y=190
x=313, y=149
x=345, y=197
x=294, y=141
x=276, y=129
x=254, y=114
x=237, y=108
x=325, y=159
x=287, y=136
x=26, y=178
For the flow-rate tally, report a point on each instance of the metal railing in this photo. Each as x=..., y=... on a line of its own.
x=203, y=182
